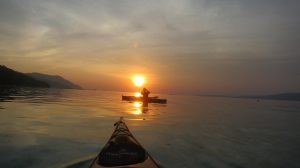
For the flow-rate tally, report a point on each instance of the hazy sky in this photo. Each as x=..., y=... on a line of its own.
x=181, y=46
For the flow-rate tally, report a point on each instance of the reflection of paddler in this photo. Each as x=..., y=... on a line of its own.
x=145, y=94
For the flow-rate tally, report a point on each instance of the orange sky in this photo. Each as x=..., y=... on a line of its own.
x=194, y=47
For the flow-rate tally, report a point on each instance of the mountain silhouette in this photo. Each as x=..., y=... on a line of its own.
x=9, y=77
x=54, y=81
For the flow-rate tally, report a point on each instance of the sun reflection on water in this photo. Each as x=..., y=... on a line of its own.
x=137, y=94
x=137, y=110
x=137, y=104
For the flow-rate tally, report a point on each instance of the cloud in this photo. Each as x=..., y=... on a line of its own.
x=203, y=41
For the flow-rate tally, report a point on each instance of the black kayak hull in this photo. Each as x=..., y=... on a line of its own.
x=123, y=150
x=150, y=99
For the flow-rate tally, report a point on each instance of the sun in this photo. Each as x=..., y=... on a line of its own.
x=138, y=80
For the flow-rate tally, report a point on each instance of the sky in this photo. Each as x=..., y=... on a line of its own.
x=232, y=47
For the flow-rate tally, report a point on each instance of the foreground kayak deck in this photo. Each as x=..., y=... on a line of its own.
x=123, y=150
x=150, y=99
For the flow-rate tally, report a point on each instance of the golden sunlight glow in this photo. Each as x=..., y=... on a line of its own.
x=137, y=108
x=137, y=94
x=137, y=104
x=138, y=80
x=137, y=112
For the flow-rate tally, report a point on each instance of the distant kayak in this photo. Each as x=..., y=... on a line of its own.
x=150, y=99
x=123, y=150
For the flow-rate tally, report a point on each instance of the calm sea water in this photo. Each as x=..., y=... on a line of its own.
x=67, y=128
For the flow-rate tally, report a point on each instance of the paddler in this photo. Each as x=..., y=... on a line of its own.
x=145, y=94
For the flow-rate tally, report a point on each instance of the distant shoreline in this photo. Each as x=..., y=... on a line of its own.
x=12, y=78
x=280, y=96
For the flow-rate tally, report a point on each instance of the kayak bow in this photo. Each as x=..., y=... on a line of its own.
x=123, y=150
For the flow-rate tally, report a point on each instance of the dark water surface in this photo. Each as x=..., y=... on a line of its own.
x=67, y=128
